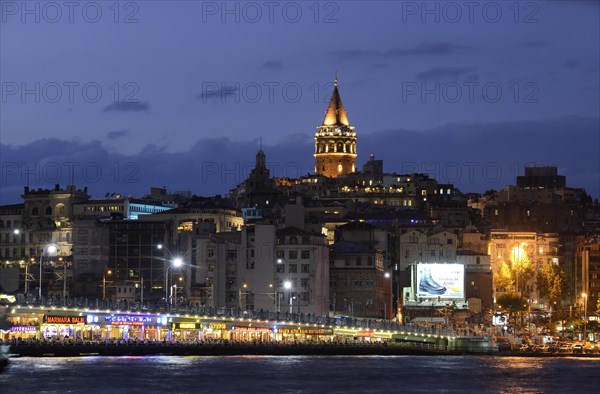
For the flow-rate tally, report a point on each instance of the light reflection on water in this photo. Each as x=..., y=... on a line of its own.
x=300, y=374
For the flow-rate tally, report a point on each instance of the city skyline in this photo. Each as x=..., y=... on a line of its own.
x=171, y=106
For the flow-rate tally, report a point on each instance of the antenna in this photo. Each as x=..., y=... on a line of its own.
x=335, y=79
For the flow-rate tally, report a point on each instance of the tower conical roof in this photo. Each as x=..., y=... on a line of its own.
x=336, y=113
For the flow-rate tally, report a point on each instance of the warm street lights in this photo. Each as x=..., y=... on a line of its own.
x=176, y=263
x=243, y=293
x=109, y=272
x=50, y=249
x=288, y=286
x=584, y=296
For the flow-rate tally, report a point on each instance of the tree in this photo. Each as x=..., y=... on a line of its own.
x=521, y=267
x=551, y=283
x=513, y=302
x=503, y=277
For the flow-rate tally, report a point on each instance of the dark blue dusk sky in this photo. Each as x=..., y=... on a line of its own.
x=178, y=93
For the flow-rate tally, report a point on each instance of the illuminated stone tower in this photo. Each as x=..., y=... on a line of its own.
x=335, y=140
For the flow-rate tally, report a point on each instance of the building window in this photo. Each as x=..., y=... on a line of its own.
x=34, y=212
x=293, y=268
x=305, y=254
x=305, y=268
x=48, y=211
x=292, y=254
x=304, y=296
x=210, y=253
x=231, y=254
x=449, y=241
x=304, y=282
x=280, y=268
x=280, y=254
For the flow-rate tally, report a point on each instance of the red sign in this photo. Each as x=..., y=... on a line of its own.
x=64, y=319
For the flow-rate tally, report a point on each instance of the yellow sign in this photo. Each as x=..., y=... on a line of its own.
x=187, y=326
x=217, y=326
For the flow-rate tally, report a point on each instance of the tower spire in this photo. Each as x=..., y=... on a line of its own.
x=336, y=113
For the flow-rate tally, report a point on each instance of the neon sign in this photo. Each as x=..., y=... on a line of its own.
x=128, y=320
x=23, y=329
x=64, y=319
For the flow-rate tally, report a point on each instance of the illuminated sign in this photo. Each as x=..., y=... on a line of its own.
x=23, y=329
x=499, y=319
x=186, y=326
x=364, y=333
x=128, y=320
x=64, y=319
x=440, y=280
x=250, y=329
x=307, y=331
x=217, y=326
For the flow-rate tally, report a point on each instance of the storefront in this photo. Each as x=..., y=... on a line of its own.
x=304, y=334
x=215, y=331
x=22, y=332
x=130, y=327
x=63, y=327
x=187, y=331
x=251, y=333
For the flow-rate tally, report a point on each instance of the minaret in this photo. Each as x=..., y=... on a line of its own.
x=335, y=140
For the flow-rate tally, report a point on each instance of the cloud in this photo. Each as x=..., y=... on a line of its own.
x=115, y=135
x=474, y=156
x=422, y=49
x=272, y=65
x=213, y=91
x=123, y=106
x=440, y=73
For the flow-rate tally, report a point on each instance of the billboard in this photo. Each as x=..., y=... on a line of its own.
x=441, y=280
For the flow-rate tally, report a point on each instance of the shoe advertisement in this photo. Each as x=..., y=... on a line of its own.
x=440, y=280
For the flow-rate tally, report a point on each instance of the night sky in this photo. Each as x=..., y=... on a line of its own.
x=179, y=93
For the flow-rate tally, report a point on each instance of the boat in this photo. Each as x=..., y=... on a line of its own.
x=3, y=357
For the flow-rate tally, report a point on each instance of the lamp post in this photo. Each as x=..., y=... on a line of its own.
x=584, y=296
x=242, y=294
x=288, y=286
x=49, y=249
x=109, y=272
x=64, y=280
x=31, y=260
x=176, y=263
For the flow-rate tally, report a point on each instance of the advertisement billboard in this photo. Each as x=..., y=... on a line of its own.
x=441, y=280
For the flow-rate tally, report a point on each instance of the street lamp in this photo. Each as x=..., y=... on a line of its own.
x=288, y=286
x=109, y=272
x=386, y=276
x=242, y=294
x=177, y=262
x=51, y=249
x=584, y=296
